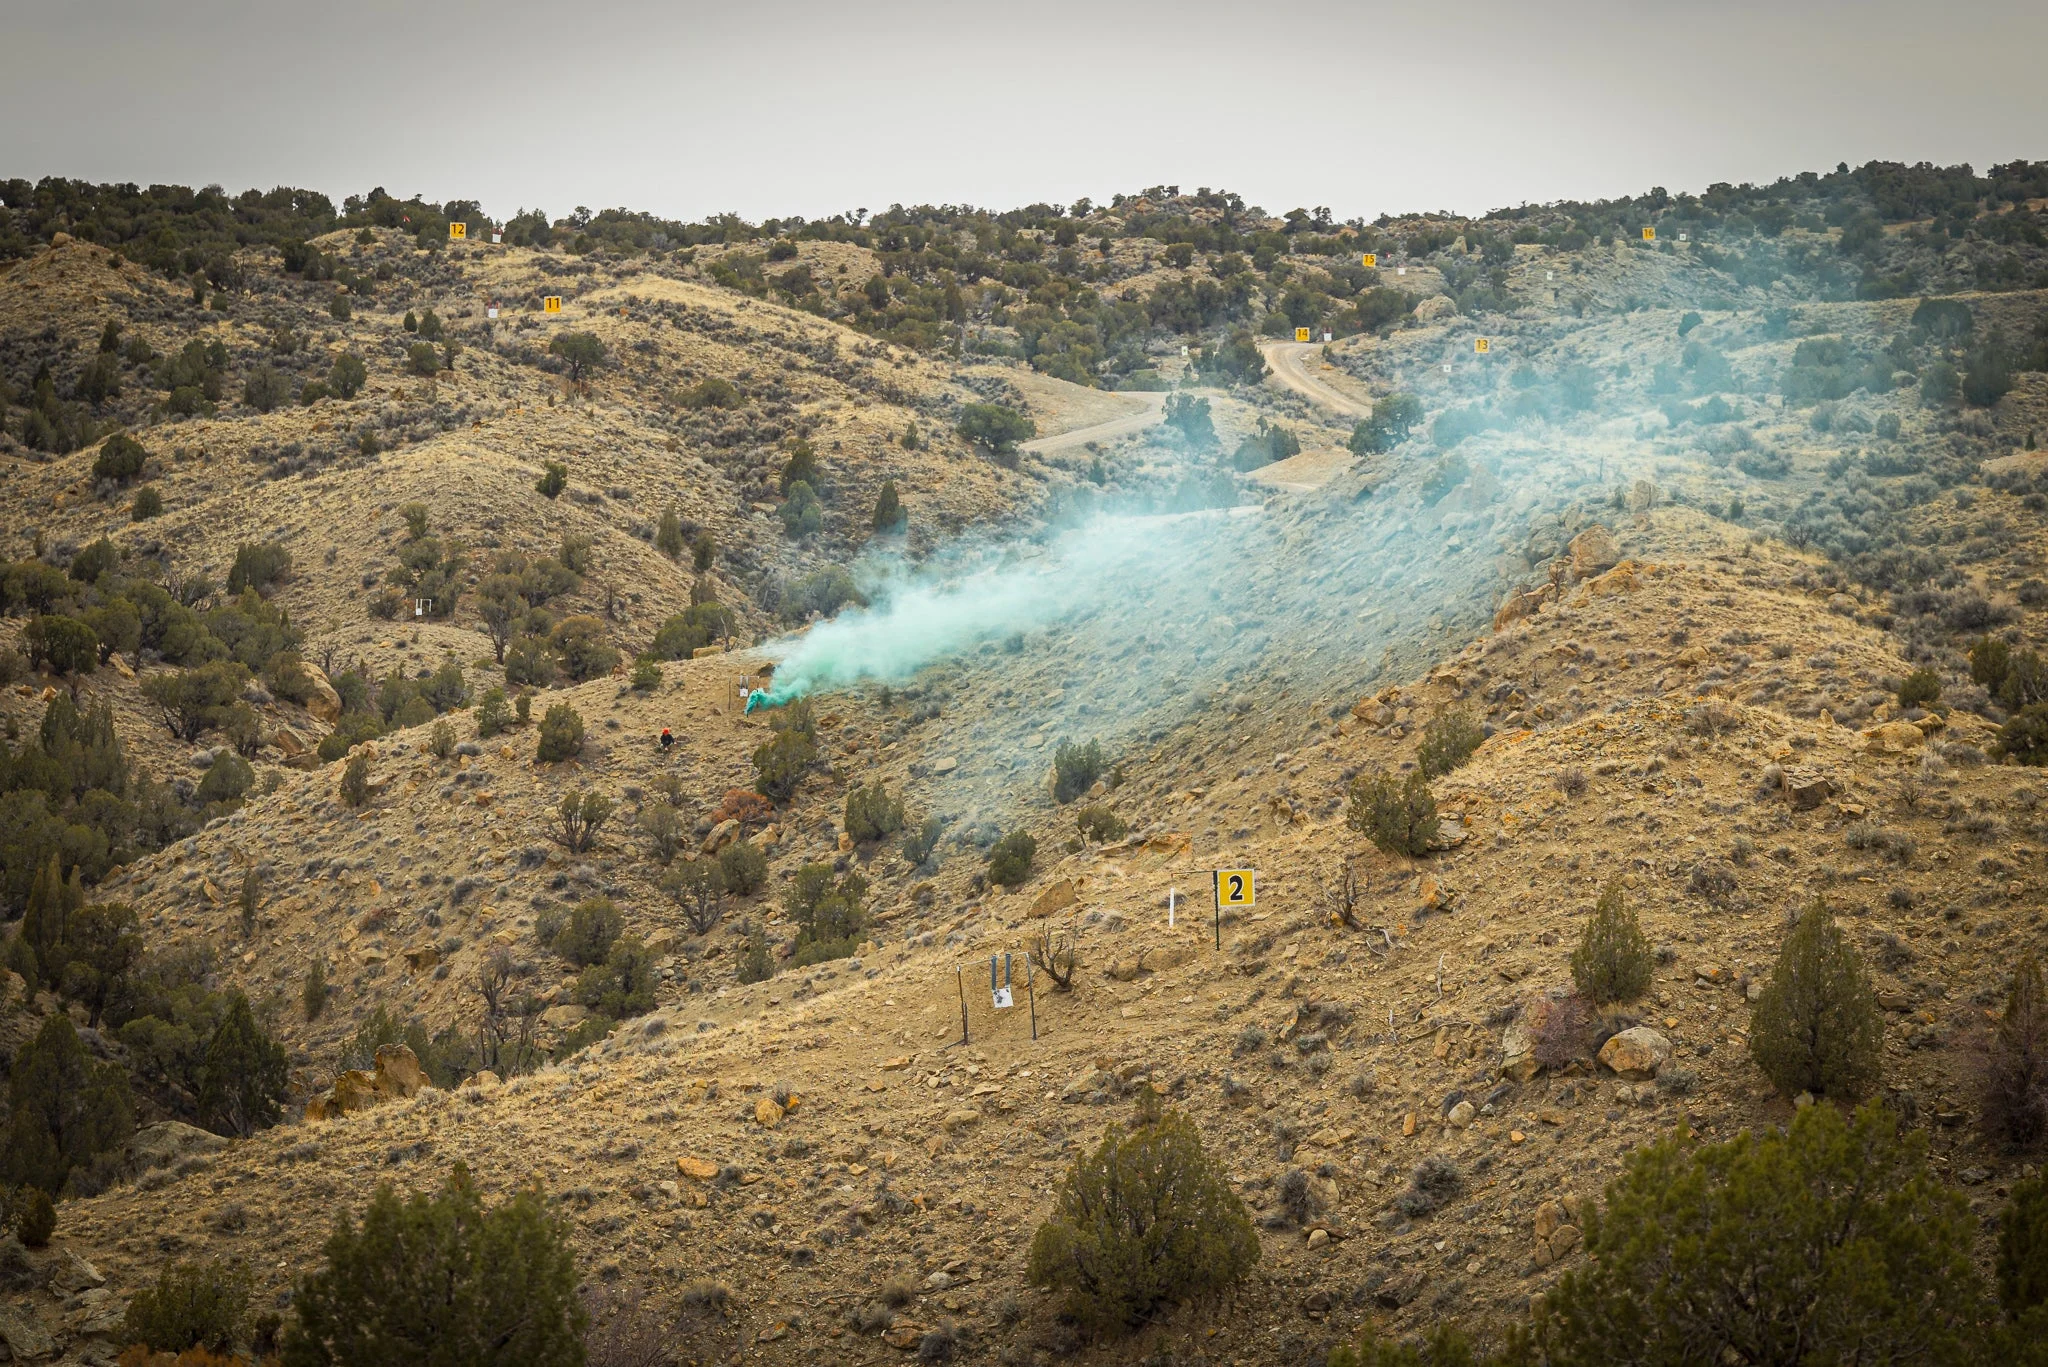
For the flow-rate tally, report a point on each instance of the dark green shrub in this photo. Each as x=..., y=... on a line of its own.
x=1448, y=740
x=755, y=965
x=265, y=389
x=688, y=632
x=621, y=986
x=1397, y=814
x=503, y=1286
x=871, y=814
x=830, y=919
x=1613, y=961
x=1145, y=1221
x=1920, y=689
x=2022, y=1260
x=192, y=1305
x=1816, y=1028
x=781, y=762
x=583, y=648
x=121, y=459
x=590, y=932
x=668, y=535
x=422, y=359
x=578, y=819
x=995, y=426
x=1990, y=659
x=1009, y=859
x=226, y=780
x=2025, y=735
x=698, y=885
x=743, y=867
x=34, y=1217
x=561, y=734
x=800, y=468
x=148, y=504
x=259, y=567
x=244, y=1075
x=1099, y=824
x=355, y=780
x=712, y=392
x=1393, y=418
x=492, y=714
x=801, y=513
x=1075, y=769
x=1189, y=416
x=2013, y=1078
x=582, y=350
x=194, y=701
x=347, y=375
x=889, y=513
x=65, y=1109
x=65, y=644
x=554, y=477
x=920, y=840
x=313, y=994
x=1768, y=1246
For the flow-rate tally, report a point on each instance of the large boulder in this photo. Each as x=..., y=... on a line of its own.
x=1592, y=552
x=398, y=1071
x=1636, y=1053
x=166, y=1144
x=1058, y=897
x=325, y=703
x=1893, y=737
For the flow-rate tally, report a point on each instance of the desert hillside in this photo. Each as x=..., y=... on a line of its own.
x=407, y=705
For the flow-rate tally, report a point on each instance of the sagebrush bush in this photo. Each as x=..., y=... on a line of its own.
x=1816, y=1027
x=1146, y=1220
x=1612, y=962
x=1448, y=740
x=1433, y=1184
x=1396, y=814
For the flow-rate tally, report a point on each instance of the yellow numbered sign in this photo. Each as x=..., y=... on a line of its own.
x=1482, y=345
x=1234, y=888
x=1649, y=234
x=457, y=231
x=1371, y=261
x=551, y=303
x=1301, y=334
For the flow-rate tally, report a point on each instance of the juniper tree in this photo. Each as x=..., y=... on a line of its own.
x=1612, y=962
x=1816, y=1027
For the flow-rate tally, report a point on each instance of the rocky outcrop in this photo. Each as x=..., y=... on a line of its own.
x=324, y=703
x=397, y=1075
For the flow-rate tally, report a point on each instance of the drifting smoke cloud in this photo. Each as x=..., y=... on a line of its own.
x=1123, y=628
x=916, y=618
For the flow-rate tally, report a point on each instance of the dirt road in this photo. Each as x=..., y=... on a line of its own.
x=1294, y=364
x=1150, y=405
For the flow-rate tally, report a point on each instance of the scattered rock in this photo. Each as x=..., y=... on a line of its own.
x=1893, y=737
x=697, y=1169
x=1592, y=552
x=1057, y=897
x=723, y=834
x=1556, y=1233
x=1636, y=1053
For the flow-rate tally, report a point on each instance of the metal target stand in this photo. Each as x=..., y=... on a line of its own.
x=999, y=991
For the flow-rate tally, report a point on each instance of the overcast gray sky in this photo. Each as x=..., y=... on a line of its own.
x=806, y=107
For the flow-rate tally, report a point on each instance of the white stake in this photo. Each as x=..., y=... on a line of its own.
x=1169, y=908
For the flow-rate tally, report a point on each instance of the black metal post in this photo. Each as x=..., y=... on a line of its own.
x=960, y=975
